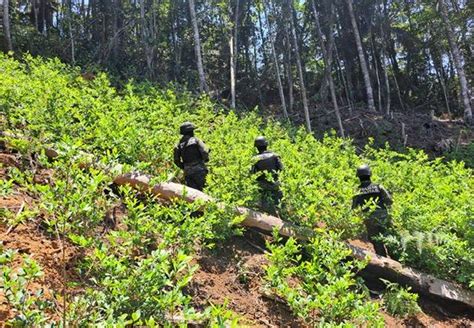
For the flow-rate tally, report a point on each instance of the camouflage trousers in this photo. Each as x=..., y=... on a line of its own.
x=270, y=198
x=377, y=225
x=195, y=176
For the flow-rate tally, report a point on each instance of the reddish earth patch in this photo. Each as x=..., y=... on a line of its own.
x=9, y=160
x=233, y=272
x=27, y=239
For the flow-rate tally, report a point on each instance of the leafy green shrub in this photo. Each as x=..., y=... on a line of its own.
x=399, y=301
x=464, y=154
x=29, y=306
x=319, y=282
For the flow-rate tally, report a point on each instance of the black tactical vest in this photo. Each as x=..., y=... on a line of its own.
x=368, y=193
x=190, y=152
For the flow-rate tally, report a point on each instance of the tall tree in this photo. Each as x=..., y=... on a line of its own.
x=147, y=37
x=299, y=65
x=327, y=50
x=288, y=68
x=362, y=60
x=233, y=53
x=197, y=48
x=6, y=25
x=458, y=61
x=275, y=63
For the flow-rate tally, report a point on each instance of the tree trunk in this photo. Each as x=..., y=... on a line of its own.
x=71, y=33
x=299, y=66
x=275, y=62
x=399, y=94
x=262, y=37
x=383, y=64
x=344, y=81
x=388, y=100
x=458, y=61
x=327, y=49
x=329, y=53
x=197, y=48
x=289, y=74
x=6, y=26
x=377, y=75
x=146, y=35
x=233, y=54
x=363, y=62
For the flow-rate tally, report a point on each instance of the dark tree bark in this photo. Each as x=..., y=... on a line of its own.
x=6, y=26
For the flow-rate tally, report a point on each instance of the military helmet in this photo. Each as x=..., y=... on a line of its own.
x=260, y=142
x=364, y=171
x=186, y=127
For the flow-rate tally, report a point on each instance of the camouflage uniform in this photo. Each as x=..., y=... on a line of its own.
x=191, y=155
x=378, y=221
x=268, y=163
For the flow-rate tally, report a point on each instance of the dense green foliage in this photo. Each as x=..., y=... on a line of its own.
x=398, y=301
x=321, y=286
x=48, y=103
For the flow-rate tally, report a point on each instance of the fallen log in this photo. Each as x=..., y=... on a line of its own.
x=378, y=266
x=170, y=191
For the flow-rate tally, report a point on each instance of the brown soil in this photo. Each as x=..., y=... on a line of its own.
x=233, y=272
x=27, y=239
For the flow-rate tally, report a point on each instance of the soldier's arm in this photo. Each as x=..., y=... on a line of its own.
x=177, y=157
x=204, y=151
x=386, y=197
x=278, y=162
x=354, y=202
x=253, y=168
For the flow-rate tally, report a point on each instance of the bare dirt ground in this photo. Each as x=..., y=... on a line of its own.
x=27, y=239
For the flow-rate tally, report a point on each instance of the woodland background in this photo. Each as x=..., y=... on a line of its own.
x=296, y=58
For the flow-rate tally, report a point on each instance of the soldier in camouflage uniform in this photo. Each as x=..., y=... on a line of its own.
x=266, y=166
x=378, y=221
x=191, y=155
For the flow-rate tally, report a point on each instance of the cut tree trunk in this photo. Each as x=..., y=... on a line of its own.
x=170, y=191
x=379, y=266
x=197, y=48
x=363, y=62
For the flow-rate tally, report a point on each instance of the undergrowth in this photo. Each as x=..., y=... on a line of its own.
x=137, y=274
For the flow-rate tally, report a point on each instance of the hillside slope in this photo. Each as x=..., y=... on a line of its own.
x=141, y=266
